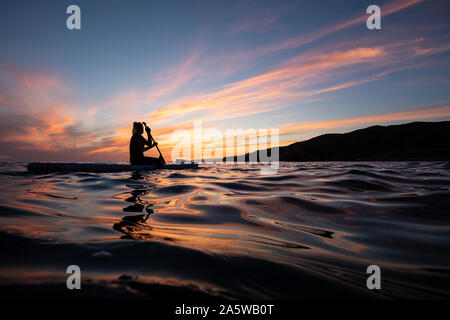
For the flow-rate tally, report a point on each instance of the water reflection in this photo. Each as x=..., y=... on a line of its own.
x=134, y=227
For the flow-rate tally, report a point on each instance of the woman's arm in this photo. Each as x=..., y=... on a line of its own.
x=149, y=142
x=149, y=147
x=149, y=136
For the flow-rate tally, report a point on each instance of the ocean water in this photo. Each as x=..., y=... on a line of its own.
x=227, y=231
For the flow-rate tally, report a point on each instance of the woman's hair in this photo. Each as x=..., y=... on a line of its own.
x=137, y=126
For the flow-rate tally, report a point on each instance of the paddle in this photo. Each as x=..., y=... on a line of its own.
x=160, y=154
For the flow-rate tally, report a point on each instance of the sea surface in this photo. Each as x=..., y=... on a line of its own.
x=309, y=231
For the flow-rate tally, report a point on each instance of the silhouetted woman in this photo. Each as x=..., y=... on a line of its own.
x=138, y=145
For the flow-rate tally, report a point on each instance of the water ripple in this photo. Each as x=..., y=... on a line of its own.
x=219, y=231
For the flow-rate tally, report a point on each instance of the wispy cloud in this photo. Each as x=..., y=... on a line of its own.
x=329, y=125
x=263, y=19
x=31, y=109
x=289, y=83
x=163, y=85
x=389, y=8
x=37, y=116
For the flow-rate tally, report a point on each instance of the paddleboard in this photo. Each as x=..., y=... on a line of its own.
x=100, y=167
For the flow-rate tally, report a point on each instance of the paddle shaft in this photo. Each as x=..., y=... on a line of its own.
x=157, y=147
x=160, y=154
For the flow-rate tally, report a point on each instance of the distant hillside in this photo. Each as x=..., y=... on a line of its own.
x=411, y=141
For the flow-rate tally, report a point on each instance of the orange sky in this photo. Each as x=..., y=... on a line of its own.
x=331, y=75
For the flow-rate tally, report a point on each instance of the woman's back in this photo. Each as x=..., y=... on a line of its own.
x=137, y=144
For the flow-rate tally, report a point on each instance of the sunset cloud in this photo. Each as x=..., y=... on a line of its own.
x=162, y=85
x=278, y=88
x=329, y=125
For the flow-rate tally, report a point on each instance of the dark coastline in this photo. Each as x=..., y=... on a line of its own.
x=415, y=141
